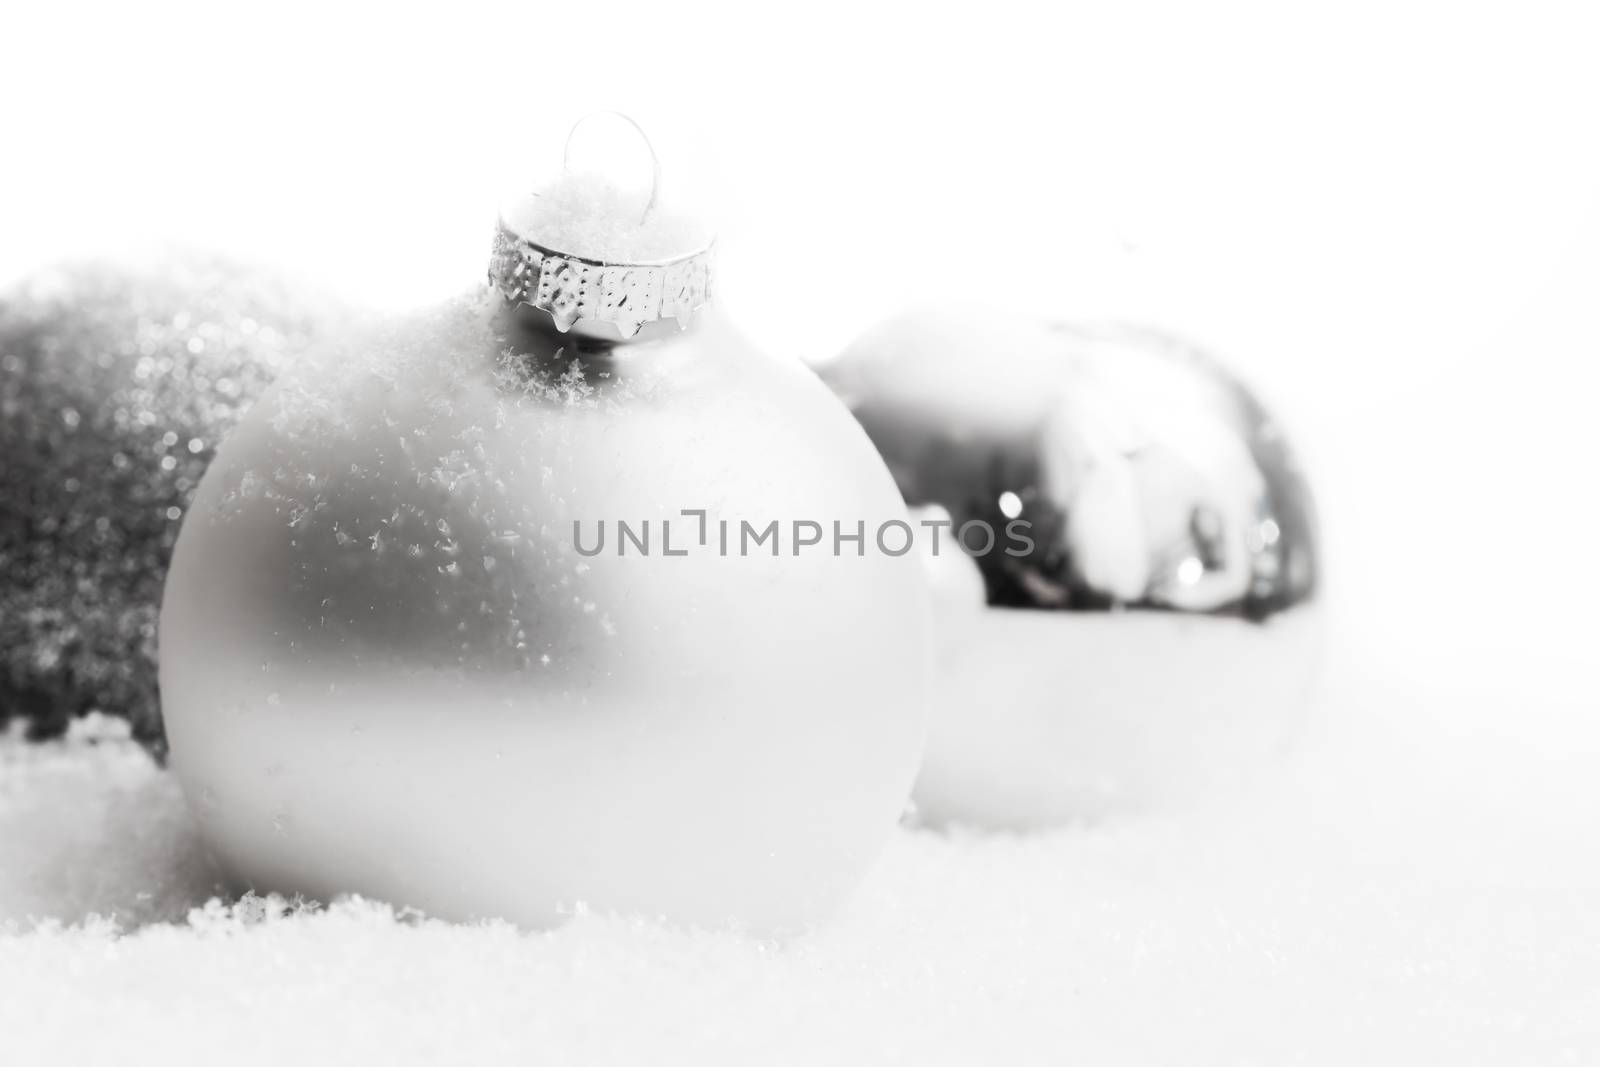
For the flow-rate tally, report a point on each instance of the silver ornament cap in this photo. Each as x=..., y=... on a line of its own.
x=581, y=252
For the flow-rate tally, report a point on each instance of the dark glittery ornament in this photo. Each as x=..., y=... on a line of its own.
x=116, y=383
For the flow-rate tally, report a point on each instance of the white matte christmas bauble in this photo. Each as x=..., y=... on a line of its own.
x=387, y=667
x=1153, y=641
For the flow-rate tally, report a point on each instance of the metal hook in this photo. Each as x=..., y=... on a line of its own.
x=655, y=160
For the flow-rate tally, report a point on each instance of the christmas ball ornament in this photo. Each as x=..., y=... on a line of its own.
x=117, y=380
x=1125, y=599
x=498, y=611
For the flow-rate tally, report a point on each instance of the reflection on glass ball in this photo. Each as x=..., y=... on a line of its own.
x=1151, y=633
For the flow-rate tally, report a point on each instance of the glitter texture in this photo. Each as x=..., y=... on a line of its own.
x=116, y=382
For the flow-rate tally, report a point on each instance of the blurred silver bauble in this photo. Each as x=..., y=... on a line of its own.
x=116, y=382
x=1153, y=635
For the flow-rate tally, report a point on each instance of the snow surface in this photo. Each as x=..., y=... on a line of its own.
x=1388, y=897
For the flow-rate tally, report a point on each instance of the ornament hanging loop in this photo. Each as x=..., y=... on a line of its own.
x=655, y=160
x=576, y=258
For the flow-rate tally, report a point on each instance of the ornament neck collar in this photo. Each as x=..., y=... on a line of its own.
x=574, y=289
